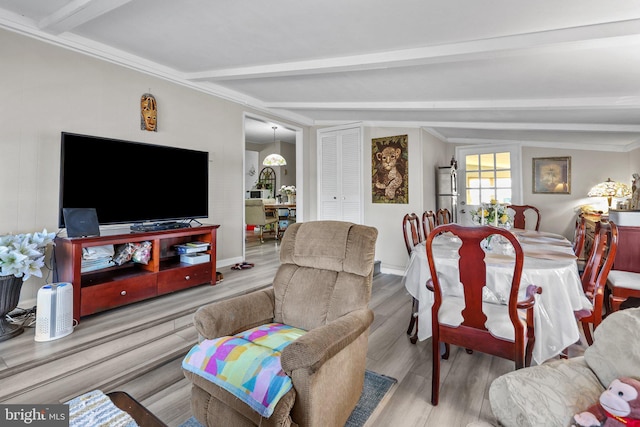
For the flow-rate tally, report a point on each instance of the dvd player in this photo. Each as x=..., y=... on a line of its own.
x=159, y=226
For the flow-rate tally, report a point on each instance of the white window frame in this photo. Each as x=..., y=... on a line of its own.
x=515, y=151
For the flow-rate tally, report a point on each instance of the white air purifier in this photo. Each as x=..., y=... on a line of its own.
x=54, y=312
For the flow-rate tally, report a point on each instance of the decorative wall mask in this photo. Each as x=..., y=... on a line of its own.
x=389, y=167
x=148, y=113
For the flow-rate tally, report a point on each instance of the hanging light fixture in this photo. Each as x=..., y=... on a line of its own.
x=274, y=159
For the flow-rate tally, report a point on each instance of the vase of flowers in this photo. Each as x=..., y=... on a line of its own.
x=290, y=192
x=492, y=213
x=21, y=256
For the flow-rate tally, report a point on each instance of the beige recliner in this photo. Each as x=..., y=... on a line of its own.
x=323, y=286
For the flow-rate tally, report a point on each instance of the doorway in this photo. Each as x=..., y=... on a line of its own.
x=261, y=140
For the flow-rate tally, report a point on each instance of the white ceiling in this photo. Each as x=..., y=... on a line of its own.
x=545, y=73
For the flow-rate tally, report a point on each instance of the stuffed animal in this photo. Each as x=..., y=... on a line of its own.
x=619, y=405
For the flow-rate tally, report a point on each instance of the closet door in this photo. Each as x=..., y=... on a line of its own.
x=340, y=180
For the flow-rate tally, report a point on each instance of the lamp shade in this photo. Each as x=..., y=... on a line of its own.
x=274, y=160
x=610, y=189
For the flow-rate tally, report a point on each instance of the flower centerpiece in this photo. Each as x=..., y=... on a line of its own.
x=492, y=213
x=21, y=256
x=289, y=191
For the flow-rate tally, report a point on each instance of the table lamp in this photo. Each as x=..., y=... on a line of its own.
x=610, y=189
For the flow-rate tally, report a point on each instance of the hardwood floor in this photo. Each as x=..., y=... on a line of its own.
x=139, y=349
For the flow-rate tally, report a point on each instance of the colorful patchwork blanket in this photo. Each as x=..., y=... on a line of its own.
x=247, y=364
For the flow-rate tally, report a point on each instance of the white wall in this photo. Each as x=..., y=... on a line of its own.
x=425, y=153
x=46, y=90
x=558, y=211
x=251, y=169
x=288, y=172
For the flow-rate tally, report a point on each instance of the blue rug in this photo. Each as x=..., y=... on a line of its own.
x=375, y=388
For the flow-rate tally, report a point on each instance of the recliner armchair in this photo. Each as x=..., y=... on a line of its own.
x=323, y=286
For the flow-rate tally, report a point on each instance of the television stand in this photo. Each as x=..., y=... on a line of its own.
x=99, y=290
x=159, y=226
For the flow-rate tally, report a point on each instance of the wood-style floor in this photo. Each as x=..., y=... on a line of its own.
x=139, y=348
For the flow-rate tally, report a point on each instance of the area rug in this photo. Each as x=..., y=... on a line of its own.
x=375, y=388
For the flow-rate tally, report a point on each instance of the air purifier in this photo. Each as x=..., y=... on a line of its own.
x=54, y=312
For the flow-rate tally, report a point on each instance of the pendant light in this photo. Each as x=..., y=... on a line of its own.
x=274, y=159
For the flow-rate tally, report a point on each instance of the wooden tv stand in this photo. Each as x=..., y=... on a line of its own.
x=100, y=290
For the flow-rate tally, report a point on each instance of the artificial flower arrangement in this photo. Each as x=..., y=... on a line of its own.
x=288, y=189
x=22, y=255
x=492, y=213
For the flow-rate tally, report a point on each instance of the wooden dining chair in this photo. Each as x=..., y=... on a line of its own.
x=443, y=216
x=520, y=215
x=504, y=330
x=624, y=278
x=413, y=235
x=412, y=231
x=579, y=235
x=579, y=238
x=622, y=285
x=428, y=222
x=595, y=274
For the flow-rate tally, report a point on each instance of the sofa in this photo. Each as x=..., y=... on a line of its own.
x=550, y=394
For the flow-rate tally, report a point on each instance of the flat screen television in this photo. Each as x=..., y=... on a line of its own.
x=131, y=182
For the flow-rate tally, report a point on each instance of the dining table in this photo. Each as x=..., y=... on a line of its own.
x=549, y=263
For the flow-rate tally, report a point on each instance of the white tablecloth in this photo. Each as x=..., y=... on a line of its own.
x=549, y=263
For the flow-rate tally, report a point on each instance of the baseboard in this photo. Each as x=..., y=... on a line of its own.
x=394, y=271
x=228, y=261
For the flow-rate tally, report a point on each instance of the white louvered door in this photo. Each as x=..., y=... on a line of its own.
x=340, y=180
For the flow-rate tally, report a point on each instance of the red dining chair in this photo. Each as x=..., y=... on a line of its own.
x=622, y=285
x=443, y=216
x=428, y=222
x=413, y=236
x=504, y=330
x=624, y=278
x=520, y=214
x=579, y=237
x=594, y=276
x=412, y=231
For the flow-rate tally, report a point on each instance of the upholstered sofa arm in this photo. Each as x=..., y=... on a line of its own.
x=235, y=315
x=320, y=344
x=546, y=395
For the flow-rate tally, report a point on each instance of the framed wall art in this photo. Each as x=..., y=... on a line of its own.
x=552, y=175
x=390, y=173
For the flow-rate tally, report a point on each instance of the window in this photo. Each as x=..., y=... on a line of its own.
x=488, y=177
x=489, y=172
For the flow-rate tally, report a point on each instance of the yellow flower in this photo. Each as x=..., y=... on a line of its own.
x=494, y=202
x=485, y=213
x=504, y=218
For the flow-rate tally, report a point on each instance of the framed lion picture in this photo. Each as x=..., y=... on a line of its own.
x=389, y=170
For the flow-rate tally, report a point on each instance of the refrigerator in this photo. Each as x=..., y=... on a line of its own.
x=447, y=190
